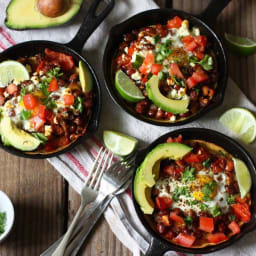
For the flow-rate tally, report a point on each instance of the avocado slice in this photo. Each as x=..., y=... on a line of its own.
x=173, y=151
x=142, y=192
x=23, y=14
x=13, y=136
x=166, y=104
x=85, y=77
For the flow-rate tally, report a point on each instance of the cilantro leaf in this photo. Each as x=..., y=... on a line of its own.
x=55, y=72
x=208, y=189
x=216, y=211
x=206, y=62
x=180, y=191
x=231, y=200
x=207, y=163
x=232, y=217
x=25, y=114
x=188, y=175
x=188, y=220
x=178, y=81
x=2, y=222
x=156, y=39
x=79, y=104
x=203, y=207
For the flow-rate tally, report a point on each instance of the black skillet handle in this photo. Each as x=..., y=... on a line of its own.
x=212, y=11
x=156, y=248
x=90, y=23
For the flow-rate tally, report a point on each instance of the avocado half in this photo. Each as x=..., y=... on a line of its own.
x=148, y=172
x=23, y=14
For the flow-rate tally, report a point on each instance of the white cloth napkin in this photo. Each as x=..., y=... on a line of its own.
x=75, y=165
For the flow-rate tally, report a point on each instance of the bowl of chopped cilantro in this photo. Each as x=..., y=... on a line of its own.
x=6, y=216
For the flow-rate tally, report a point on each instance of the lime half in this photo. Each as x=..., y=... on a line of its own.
x=85, y=77
x=243, y=177
x=120, y=144
x=240, y=121
x=10, y=70
x=240, y=45
x=127, y=88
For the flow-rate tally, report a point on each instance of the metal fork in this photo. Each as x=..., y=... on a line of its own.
x=88, y=194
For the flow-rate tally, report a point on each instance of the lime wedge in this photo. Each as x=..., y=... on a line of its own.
x=240, y=121
x=243, y=177
x=85, y=77
x=240, y=45
x=10, y=70
x=120, y=144
x=127, y=88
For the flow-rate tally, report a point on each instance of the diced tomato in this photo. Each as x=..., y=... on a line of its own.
x=191, y=158
x=234, y=227
x=200, y=76
x=143, y=69
x=216, y=238
x=2, y=100
x=37, y=122
x=177, y=139
x=201, y=41
x=185, y=240
x=175, y=70
x=29, y=101
x=242, y=211
x=131, y=50
x=187, y=39
x=53, y=86
x=11, y=88
x=206, y=224
x=156, y=68
x=2, y=91
x=240, y=200
x=174, y=23
x=40, y=67
x=41, y=111
x=64, y=60
x=190, y=82
x=49, y=115
x=149, y=59
x=189, y=47
x=68, y=99
x=163, y=203
x=173, y=216
x=229, y=166
x=198, y=54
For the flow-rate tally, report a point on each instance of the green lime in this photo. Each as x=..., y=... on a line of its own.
x=120, y=144
x=240, y=45
x=243, y=177
x=127, y=88
x=10, y=70
x=240, y=121
x=85, y=77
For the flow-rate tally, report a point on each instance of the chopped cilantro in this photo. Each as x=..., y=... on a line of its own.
x=178, y=81
x=79, y=104
x=55, y=72
x=23, y=91
x=138, y=61
x=206, y=62
x=188, y=220
x=180, y=191
x=49, y=103
x=40, y=136
x=25, y=114
x=44, y=88
x=197, y=90
x=207, y=163
x=231, y=200
x=163, y=51
x=216, y=211
x=188, y=175
x=208, y=189
x=2, y=222
x=156, y=39
x=150, y=75
x=163, y=75
x=203, y=207
x=232, y=217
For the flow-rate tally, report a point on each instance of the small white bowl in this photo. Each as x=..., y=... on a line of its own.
x=7, y=207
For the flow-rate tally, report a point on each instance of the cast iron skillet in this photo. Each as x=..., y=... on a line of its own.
x=158, y=245
x=73, y=48
x=206, y=19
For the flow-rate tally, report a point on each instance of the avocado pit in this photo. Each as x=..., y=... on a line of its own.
x=53, y=8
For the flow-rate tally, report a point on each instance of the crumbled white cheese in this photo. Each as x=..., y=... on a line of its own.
x=47, y=130
x=173, y=118
x=6, y=94
x=150, y=39
x=196, y=31
x=184, y=29
x=136, y=76
x=126, y=49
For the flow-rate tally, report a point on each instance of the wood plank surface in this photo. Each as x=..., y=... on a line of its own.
x=41, y=196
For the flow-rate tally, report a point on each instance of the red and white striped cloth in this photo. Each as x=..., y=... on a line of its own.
x=74, y=166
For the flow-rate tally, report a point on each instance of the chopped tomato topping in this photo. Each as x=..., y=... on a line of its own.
x=68, y=99
x=191, y=82
x=187, y=39
x=40, y=67
x=29, y=101
x=163, y=203
x=234, y=227
x=11, y=88
x=41, y=111
x=185, y=240
x=206, y=224
x=242, y=211
x=131, y=50
x=2, y=91
x=49, y=116
x=216, y=238
x=200, y=76
x=240, y=200
x=149, y=59
x=37, y=122
x=201, y=42
x=190, y=46
x=173, y=216
x=229, y=166
x=177, y=139
x=174, y=23
x=198, y=54
x=64, y=60
x=2, y=100
x=53, y=86
x=156, y=68
x=175, y=70
x=143, y=69
x=191, y=158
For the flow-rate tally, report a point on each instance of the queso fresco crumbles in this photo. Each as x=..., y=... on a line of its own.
x=51, y=108
x=181, y=58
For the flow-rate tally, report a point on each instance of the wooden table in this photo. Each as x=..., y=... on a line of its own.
x=44, y=203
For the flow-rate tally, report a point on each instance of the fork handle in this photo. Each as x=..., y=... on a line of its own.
x=76, y=244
